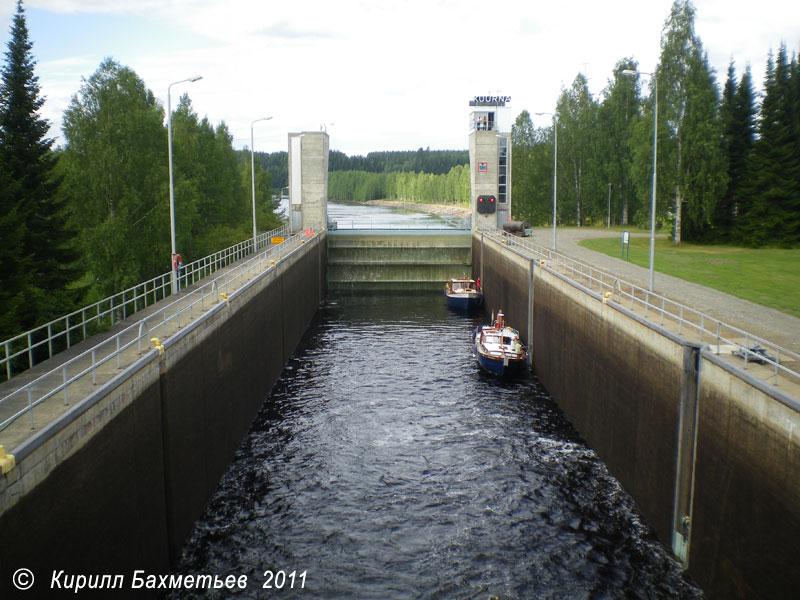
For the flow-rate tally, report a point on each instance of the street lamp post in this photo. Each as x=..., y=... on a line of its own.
x=174, y=278
x=555, y=170
x=631, y=73
x=253, y=171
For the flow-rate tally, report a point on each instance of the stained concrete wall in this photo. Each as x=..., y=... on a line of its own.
x=91, y=497
x=118, y=485
x=746, y=521
x=622, y=383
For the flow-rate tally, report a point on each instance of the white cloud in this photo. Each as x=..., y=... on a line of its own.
x=394, y=74
x=110, y=6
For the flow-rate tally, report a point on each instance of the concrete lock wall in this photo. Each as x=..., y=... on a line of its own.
x=632, y=390
x=120, y=486
x=746, y=516
x=93, y=493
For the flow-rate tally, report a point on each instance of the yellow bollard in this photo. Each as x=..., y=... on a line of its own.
x=157, y=345
x=606, y=296
x=7, y=461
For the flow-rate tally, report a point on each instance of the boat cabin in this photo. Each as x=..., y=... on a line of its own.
x=461, y=286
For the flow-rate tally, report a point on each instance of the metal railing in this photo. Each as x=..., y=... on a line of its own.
x=61, y=333
x=105, y=359
x=657, y=308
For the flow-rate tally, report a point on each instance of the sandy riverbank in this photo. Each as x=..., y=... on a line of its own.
x=441, y=209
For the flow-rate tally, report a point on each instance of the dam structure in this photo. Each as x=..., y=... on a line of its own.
x=702, y=439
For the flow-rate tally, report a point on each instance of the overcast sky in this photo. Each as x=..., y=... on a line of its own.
x=379, y=75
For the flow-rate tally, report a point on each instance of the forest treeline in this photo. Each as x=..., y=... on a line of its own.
x=422, y=175
x=359, y=186
x=728, y=167
x=434, y=162
x=91, y=218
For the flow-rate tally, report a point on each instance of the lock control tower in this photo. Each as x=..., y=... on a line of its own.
x=490, y=160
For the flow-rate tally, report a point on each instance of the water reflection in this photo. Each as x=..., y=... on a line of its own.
x=385, y=464
x=356, y=215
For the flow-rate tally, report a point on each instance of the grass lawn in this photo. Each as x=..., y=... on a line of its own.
x=766, y=276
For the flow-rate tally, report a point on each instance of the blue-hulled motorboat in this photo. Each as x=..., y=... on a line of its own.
x=498, y=347
x=463, y=293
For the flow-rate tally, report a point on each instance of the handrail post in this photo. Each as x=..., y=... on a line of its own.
x=66, y=390
x=30, y=406
x=746, y=349
x=777, y=362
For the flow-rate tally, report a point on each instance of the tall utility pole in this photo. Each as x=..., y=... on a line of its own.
x=174, y=278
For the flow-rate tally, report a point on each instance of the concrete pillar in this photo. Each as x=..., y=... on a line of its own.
x=308, y=179
x=685, y=452
x=530, y=313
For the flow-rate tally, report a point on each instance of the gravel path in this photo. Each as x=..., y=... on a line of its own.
x=770, y=324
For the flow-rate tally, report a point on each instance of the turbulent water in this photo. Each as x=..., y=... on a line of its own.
x=385, y=465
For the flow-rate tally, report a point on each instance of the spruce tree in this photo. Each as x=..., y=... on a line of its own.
x=738, y=115
x=723, y=214
x=772, y=213
x=27, y=157
x=12, y=261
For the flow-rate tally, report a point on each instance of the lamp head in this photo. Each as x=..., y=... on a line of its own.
x=195, y=78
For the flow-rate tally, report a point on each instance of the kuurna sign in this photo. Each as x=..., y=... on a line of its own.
x=489, y=100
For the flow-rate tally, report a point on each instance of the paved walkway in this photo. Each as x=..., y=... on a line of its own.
x=770, y=324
